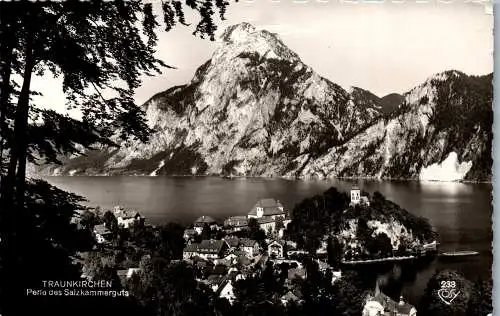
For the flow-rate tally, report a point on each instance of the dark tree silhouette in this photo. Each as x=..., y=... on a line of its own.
x=432, y=305
x=110, y=221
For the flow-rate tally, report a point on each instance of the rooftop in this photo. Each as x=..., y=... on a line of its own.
x=204, y=220
x=101, y=229
x=206, y=246
x=390, y=305
x=236, y=221
x=270, y=207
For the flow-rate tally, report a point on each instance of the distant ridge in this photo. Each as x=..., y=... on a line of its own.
x=391, y=102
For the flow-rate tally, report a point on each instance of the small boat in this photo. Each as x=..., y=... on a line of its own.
x=459, y=253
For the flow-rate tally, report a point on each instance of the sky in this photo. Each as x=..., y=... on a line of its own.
x=382, y=46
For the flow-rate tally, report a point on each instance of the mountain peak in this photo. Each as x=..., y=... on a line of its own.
x=238, y=32
x=249, y=40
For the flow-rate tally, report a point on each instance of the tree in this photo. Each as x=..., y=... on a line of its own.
x=380, y=245
x=253, y=225
x=88, y=220
x=480, y=302
x=110, y=222
x=348, y=296
x=170, y=289
x=206, y=233
x=432, y=305
x=335, y=252
x=279, y=223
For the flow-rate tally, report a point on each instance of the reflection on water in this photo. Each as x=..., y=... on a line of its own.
x=460, y=212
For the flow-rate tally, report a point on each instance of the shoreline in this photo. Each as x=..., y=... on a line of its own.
x=375, y=179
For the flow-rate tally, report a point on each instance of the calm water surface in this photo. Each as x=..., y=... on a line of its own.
x=460, y=212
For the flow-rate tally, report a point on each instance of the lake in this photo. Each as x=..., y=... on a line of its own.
x=459, y=212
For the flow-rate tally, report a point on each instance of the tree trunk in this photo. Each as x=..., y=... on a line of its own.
x=5, y=66
x=7, y=42
x=20, y=143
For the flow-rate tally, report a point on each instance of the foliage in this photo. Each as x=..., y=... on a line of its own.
x=170, y=289
x=480, y=302
x=432, y=305
x=328, y=214
x=335, y=252
x=110, y=221
x=380, y=246
x=315, y=217
x=88, y=220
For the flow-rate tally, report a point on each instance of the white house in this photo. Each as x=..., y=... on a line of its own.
x=381, y=304
x=201, y=221
x=126, y=274
x=357, y=198
x=127, y=218
x=275, y=248
x=270, y=208
x=249, y=246
x=226, y=290
x=101, y=233
x=336, y=275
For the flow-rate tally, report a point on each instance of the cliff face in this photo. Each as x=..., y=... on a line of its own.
x=256, y=109
x=441, y=131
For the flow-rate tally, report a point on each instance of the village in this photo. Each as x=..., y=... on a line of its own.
x=242, y=247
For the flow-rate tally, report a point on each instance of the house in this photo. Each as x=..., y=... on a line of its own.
x=206, y=249
x=127, y=218
x=269, y=208
x=126, y=274
x=189, y=234
x=275, y=248
x=201, y=221
x=226, y=287
x=249, y=246
x=381, y=304
x=357, y=198
x=267, y=224
x=227, y=260
x=236, y=223
x=226, y=290
x=322, y=266
x=76, y=218
x=213, y=281
x=336, y=275
x=190, y=251
x=101, y=233
x=289, y=297
x=429, y=247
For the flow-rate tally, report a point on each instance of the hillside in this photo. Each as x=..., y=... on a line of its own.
x=255, y=109
x=362, y=231
x=391, y=102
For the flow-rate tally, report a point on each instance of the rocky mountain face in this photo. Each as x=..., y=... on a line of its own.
x=256, y=109
x=442, y=131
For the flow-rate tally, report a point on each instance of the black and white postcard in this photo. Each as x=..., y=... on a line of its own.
x=270, y=157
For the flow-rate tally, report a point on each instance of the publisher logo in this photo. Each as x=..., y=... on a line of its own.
x=448, y=292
